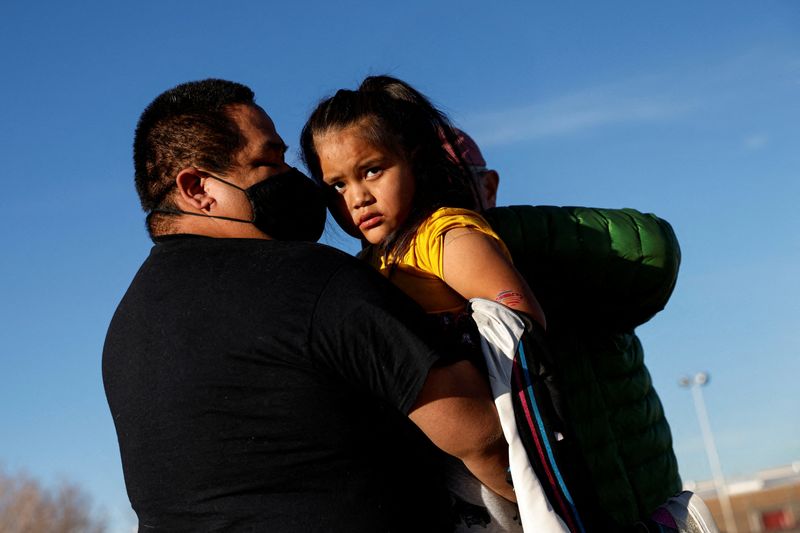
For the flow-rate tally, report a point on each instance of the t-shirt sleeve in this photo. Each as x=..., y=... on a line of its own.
x=373, y=336
x=429, y=243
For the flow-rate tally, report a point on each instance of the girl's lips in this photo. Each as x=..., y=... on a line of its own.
x=370, y=221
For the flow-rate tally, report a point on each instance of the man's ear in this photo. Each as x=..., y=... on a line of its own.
x=490, y=181
x=190, y=183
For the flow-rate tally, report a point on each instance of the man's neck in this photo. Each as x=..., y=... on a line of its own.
x=211, y=227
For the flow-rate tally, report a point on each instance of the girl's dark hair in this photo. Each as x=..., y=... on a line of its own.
x=398, y=118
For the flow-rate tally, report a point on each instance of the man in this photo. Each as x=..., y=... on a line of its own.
x=598, y=274
x=485, y=179
x=259, y=384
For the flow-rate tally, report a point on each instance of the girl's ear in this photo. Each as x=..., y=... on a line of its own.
x=190, y=183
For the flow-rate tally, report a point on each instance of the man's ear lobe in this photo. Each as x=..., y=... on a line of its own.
x=490, y=181
x=190, y=183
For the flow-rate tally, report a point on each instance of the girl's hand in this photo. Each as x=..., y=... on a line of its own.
x=475, y=267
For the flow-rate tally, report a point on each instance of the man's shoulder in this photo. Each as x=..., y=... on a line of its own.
x=199, y=244
x=244, y=264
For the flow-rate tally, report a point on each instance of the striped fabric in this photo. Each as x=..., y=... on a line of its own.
x=536, y=422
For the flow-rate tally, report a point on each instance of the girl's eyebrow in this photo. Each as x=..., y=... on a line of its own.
x=360, y=166
x=377, y=160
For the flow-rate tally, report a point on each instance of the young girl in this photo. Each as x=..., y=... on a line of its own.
x=382, y=153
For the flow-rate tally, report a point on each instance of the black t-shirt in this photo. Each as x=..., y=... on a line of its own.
x=262, y=386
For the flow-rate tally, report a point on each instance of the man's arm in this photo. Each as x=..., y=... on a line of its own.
x=378, y=340
x=456, y=411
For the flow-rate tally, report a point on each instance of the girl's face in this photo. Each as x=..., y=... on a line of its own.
x=374, y=187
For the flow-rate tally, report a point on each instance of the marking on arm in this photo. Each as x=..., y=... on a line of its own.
x=509, y=298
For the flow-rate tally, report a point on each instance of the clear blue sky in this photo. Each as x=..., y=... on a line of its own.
x=689, y=110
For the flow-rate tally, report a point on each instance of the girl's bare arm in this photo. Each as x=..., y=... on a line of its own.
x=475, y=267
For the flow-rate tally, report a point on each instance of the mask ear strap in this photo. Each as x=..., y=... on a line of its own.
x=226, y=182
x=246, y=195
x=170, y=211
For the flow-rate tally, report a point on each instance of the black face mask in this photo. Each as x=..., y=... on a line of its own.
x=287, y=207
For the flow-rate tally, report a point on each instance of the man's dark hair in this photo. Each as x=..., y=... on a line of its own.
x=185, y=126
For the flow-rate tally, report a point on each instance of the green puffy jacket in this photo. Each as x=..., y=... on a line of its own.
x=598, y=274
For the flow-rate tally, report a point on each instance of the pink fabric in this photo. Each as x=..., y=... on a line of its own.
x=467, y=149
x=663, y=517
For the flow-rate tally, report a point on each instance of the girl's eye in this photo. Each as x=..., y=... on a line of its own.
x=373, y=172
x=338, y=187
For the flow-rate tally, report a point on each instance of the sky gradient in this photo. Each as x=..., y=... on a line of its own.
x=688, y=111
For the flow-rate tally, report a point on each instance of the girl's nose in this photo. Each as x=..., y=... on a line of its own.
x=361, y=197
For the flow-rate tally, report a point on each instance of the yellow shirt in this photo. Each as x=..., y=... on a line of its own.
x=420, y=273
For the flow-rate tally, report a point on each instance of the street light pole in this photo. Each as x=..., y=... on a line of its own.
x=700, y=379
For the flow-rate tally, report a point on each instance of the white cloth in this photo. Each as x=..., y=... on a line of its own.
x=476, y=508
x=501, y=330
